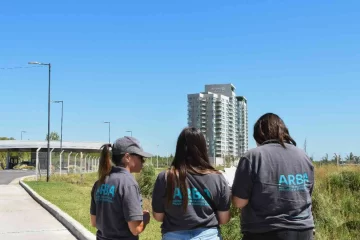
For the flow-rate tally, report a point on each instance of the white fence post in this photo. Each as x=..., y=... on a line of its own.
x=75, y=162
x=81, y=161
x=68, y=168
x=37, y=163
x=50, y=160
x=61, y=158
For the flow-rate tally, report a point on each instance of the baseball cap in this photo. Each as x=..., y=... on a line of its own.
x=128, y=145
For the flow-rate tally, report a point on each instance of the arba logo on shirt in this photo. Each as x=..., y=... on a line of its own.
x=293, y=182
x=194, y=196
x=105, y=193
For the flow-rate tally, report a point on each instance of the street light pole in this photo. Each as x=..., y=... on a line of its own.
x=109, y=130
x=22, y=133
x=48, y=135
x=130, y=132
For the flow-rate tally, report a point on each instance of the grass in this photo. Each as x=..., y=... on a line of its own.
x=336, y=202
x=71, y=193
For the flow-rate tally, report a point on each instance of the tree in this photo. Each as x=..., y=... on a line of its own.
x=350, y=157
x=54, y=136
x=6, y=138
x=325, y=158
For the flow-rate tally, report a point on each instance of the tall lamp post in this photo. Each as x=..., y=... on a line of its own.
x=48, y=135
x=109, y=130
x=22, y=133
x=129, y=132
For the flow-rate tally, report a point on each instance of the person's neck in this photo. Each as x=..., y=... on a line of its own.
x=126, y=168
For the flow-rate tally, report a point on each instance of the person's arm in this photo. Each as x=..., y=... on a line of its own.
x=242, y=186
x=239, y=202
x=223, y=208
x=223, y=217
x=158, y=216
x=93, y=208
x=93, y=220
x=158, y=198
x=137, y=227
x=136, y=218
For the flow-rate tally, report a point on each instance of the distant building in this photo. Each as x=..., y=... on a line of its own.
x=223, y=118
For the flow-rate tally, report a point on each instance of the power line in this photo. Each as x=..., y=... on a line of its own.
x=12, y=68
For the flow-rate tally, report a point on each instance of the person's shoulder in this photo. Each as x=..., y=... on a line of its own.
x=253, y=152
x=122, y=178
x=216, y=176
x=162, y=175
x=95, y=185
x=295, y=149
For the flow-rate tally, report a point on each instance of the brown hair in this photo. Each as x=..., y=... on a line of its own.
x=190, y=156
x=270, y=127
x=105, y=163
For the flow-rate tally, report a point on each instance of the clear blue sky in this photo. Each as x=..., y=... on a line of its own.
x=134, y=63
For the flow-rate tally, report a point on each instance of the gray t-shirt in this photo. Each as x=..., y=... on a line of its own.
x=115, y=203
x=278, y=183
x=199, y=213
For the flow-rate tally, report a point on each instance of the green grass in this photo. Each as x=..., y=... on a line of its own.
x=336, y=202
x=71, y=193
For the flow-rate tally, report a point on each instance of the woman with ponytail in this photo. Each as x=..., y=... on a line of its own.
x=191, y=198
x=116, y=203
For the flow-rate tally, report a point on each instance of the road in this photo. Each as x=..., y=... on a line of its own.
x=6, y=176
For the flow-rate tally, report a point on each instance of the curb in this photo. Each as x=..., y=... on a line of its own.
x=78, y=230
x=17, y=180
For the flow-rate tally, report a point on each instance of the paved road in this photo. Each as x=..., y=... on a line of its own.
x=6, y=176
x=21, y=218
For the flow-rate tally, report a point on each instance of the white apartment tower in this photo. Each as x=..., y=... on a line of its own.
x=223, y=118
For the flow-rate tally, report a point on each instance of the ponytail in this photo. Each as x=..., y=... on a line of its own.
x=105, y=163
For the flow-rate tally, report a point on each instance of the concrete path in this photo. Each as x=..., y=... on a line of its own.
x=6, y=176
x=22, y=218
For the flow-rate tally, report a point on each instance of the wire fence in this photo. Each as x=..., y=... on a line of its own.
x=68, y=162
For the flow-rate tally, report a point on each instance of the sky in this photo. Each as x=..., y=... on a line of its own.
x=134, y=62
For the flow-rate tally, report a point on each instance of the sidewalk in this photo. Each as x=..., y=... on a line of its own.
x=22, y=218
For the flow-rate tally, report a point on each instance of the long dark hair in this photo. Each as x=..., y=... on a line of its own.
x=105, y=162
x=270, y=127
x=190, y=156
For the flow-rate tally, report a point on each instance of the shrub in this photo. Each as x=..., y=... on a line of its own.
x=346, y=180
x=24, y=167
x=231, y=230
x=146, y=180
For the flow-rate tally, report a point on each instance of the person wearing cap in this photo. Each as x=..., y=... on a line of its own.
x=116, y=203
